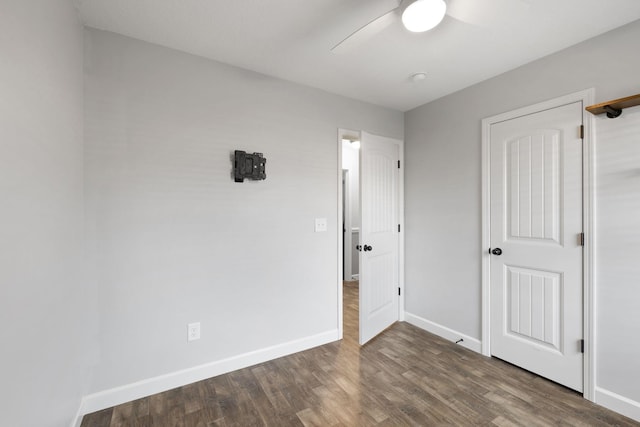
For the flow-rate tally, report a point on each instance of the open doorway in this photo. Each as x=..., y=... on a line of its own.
x=370, y=209
x=350, y=233
x=350, y=207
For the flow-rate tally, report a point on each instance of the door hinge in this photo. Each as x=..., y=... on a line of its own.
x=398, y=228
x=398, y=164
x=398, y=290
x=581, y=239
x=581, y=346
x=581, y=131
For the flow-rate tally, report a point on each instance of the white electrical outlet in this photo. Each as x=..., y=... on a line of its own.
x=193, y=331
x=321, y=225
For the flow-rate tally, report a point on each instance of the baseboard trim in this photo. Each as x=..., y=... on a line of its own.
x=77, y=421
x=620, y=404
x=444, y=332
x=115, y=396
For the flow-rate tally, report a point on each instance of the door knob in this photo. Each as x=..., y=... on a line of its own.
x=367, y=248
x=497, y=251
x=359, y=247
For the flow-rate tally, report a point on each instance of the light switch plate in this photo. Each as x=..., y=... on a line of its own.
x=321, y=225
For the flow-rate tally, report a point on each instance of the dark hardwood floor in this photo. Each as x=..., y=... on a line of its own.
x=406, y=376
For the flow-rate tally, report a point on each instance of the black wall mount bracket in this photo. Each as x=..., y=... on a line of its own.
x=250, y=166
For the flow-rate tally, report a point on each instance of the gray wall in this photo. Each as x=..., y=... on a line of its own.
x=618, y=251
x=46, y=317
x=443, y=200
x=174, y=239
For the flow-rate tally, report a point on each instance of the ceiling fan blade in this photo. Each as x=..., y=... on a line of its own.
x=486, y=13
x=365, y=32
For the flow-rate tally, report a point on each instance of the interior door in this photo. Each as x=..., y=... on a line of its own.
x=379, y=268
x=536, y=261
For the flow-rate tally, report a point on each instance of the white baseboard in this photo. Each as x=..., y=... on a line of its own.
x=77, y=421
x=115, y=396
x=444, y=332
x=620, y=404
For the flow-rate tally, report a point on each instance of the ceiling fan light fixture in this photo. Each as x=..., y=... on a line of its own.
x=423, y=15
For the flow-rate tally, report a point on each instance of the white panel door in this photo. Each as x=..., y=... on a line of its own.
x=379, y=270
x=536, y=220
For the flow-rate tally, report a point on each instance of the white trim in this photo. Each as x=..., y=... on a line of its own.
x=115, y=396
x=77, y=420
x=615, y=402
x=401, y=314
x=588, y=192
x=340, y=259
x=444, y=332
x=589, y=261
x=355, y=277
x=486, y=238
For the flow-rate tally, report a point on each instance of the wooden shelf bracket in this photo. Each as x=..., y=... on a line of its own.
x=614, y=108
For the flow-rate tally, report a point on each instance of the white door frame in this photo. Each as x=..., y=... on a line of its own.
x=401, y=305
x=588, y=220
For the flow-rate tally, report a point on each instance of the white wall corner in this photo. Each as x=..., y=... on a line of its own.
x=126, y=393
x=77, y=420
x=444, y=332
x=620, y=404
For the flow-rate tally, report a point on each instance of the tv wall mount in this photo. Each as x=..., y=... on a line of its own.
x=249, y=166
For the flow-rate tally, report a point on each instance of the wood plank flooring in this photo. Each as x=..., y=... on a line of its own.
x=404, y=377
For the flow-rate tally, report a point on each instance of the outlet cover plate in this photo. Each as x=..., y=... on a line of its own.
x=321, y=225
x=193, y=331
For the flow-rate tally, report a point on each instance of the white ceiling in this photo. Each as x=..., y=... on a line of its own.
x=291, y=39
